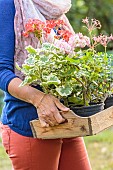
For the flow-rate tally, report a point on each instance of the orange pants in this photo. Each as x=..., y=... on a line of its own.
x=28, y=153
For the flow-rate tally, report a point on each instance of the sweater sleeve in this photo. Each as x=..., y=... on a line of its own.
x=7, y=43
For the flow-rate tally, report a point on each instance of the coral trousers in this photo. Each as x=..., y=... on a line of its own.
x=27, y=153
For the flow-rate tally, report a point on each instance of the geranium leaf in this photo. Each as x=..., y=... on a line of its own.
x=31, y=50
x=52, y=79
x=64, y=90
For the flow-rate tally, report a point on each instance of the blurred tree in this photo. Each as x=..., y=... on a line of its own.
x=101, y=10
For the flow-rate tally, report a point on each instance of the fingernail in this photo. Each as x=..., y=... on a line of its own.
x=66, y=108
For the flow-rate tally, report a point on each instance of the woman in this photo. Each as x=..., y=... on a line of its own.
x=23, y=104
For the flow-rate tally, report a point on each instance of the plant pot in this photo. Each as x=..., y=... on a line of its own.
x=108, y=102
x=86, y=111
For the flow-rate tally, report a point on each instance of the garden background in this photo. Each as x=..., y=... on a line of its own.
x=100, y=147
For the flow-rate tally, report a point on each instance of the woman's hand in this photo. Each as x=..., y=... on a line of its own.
x=48, y=111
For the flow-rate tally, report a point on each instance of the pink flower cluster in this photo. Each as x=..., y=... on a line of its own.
x=91, y=25
x=96, y=40
x=64, y=39
x=76, y=41
x=102, y=39
x=79, y=40
x=63, y=46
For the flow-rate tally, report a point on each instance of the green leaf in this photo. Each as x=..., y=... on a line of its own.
x=27, y=80
x=31, y=50
x=73, y=60
x=30, y=61
x=105, y=58
x=52, y=79
x=76, y=100
x=44, y=58
x=64, y=90
x=18, y=67
x=26, y=66
x=95, y=83
x=48, y=46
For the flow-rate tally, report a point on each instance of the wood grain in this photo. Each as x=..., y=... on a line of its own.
x=75, y=125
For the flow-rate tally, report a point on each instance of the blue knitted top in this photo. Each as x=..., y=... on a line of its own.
x=16, y=113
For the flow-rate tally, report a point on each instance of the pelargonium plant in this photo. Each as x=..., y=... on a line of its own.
x=69, y=67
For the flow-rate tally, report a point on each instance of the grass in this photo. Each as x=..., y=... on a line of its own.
x=99, y=147
x=100, y=150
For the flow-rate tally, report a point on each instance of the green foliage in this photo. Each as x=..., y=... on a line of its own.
x=73, y=69
x=84, y=77
x=51, y=69
x=93, y=78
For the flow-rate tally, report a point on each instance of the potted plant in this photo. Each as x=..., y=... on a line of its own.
x=69, y=68
x=92, y=82
x=109, y=100
x=95, y=76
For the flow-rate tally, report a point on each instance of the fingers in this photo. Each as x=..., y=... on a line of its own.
x=48, y=112
x=48, y=117
x=58, y=117
x=43, y=123
x=61, y=106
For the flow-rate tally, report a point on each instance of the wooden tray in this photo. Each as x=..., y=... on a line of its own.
x=75, y=126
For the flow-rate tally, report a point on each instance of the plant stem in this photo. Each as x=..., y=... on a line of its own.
x=105, y=51
x=92, y=44
x=83, y=85
x=66, y=102
x=84, y=96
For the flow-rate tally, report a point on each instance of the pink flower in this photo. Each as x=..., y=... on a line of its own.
x=92, y=24
x=85, y=21
x=79, y=40
x=102, y=39
x=110, y=37
x=64, y=47
x=96, y=23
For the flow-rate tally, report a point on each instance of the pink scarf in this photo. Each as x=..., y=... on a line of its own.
x=42, y=10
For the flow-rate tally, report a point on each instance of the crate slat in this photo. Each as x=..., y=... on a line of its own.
x=75, y=125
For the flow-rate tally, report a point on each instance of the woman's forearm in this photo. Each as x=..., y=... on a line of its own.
x=47, y=105
x=25, y=93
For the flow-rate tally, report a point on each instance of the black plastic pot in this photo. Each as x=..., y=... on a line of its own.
x=86, y=111
x=108, y=102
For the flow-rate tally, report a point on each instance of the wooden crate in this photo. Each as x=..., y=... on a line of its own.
x=75, y=125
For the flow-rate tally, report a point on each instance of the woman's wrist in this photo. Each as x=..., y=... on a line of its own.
x=36, y=97
x=40, y=100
